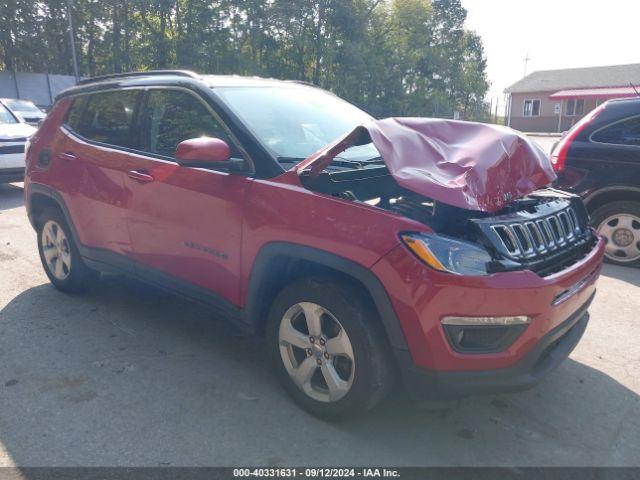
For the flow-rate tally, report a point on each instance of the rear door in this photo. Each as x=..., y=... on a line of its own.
x=100, y=137
x=184, y=222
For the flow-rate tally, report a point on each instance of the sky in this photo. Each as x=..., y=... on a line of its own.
x=554, y=34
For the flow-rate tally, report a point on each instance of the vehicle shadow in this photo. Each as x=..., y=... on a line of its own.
x=11, y=196
x=630, y=275
x=127, y=375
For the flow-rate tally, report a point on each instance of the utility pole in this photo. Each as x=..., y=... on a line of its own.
x=73, y=43
x=526, y=63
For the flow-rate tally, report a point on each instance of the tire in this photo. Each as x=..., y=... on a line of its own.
x=64, y=265
x=619, y=224
x=344, y=314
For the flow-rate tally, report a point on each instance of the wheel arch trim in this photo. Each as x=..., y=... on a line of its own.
x=40, y=189
x=591, y=197
x=269, y=252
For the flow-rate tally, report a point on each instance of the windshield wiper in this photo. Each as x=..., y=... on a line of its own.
x=289, y=159
x=347, y=162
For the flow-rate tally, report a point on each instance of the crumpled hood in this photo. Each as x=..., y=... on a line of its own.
x=465, y=164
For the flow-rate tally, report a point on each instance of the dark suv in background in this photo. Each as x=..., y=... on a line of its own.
x=599, y=159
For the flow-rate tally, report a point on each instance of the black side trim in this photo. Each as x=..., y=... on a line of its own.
x=38, y=188
x=260, y=273
x=218, y=304
x=108, y=261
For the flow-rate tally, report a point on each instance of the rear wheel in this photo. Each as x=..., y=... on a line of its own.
x=328, y=348
x=619, y=224
x=59, y=254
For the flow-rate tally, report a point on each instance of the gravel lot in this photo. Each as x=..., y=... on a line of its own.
x=127, y=375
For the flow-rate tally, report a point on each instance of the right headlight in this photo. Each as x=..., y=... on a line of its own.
x=448, y=254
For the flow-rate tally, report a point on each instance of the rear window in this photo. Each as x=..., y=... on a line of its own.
x=106, y=118
x=626, y=132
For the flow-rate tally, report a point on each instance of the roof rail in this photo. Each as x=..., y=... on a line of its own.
x=181, y=73
x=302, y=82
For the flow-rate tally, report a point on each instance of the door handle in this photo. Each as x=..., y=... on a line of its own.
x=141, y=177
x=67, y=156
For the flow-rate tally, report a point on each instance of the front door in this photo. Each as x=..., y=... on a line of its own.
x=184, y=223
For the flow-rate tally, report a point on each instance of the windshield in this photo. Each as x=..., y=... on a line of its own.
x=294, y=122
x=22, y=106
x=6, y=116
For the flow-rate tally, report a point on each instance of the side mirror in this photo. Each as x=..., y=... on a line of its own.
x=208, y=152
x=202, y=152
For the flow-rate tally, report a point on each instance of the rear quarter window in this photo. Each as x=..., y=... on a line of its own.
x=624, y=132
x=107, y=117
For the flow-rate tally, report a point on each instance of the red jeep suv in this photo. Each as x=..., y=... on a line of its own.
x=365, y=251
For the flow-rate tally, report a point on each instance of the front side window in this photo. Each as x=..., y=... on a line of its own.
x=294, y=122
x=172, y=116
x=6, y=116
x=108, y=118
x=531, y=108
x=626, y=132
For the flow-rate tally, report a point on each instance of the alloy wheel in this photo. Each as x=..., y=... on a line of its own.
x=56, y=250
x=316, y=352
x=622, y=235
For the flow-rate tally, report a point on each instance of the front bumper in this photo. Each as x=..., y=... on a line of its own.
x=550, y=351
x=421, y=297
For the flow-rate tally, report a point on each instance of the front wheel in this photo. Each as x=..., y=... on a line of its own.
x=619, y=224
x=328, y=348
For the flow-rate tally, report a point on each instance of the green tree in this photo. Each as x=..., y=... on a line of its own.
x=391, y=57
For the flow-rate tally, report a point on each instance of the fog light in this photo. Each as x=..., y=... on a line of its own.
x=483, y=334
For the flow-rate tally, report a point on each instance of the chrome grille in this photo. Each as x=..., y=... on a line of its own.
x=527, y=239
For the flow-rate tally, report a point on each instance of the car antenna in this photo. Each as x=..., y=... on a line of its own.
x=634, y=89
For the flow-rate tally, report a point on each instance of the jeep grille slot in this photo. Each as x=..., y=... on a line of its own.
x=507, y=237
x=536, y=236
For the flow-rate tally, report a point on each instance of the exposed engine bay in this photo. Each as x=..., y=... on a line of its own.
x=545, y=231
x=481, y=188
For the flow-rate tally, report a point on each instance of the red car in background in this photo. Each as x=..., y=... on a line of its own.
x=365, y=251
